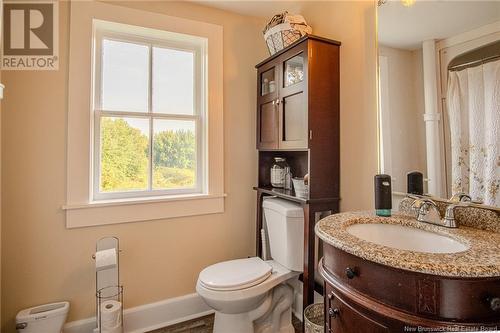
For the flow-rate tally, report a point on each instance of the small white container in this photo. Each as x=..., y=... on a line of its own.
x=300, y=187
x=47, y=318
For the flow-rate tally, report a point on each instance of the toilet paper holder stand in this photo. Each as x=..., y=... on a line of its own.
x=108, y=290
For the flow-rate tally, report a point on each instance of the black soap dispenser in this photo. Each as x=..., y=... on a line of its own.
x=383, y=195
x=415, y=183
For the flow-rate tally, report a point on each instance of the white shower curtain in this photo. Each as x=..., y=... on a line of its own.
x=474, y=113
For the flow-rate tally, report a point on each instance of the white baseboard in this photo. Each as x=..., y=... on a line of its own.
x=151, y=316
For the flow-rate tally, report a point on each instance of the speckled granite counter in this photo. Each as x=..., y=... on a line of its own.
x=482, y=259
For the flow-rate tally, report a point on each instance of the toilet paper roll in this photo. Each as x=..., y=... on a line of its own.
x=105, y=259
x=111, y=314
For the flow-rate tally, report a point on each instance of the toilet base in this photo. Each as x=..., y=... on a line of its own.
x=274, y=315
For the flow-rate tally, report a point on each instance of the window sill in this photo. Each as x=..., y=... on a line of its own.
x=106, y=212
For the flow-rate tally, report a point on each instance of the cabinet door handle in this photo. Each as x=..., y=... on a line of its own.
x=333, y=313
x=350, y=272
x=278, y=101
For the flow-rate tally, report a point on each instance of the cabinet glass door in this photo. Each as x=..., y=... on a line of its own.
x=267, y=111
x=293, y=70
x=267, y=82
x=293, y=102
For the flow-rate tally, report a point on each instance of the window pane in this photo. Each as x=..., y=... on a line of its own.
x=125, y=73
x=173, y=81
x=174, y=154
x=124, y=154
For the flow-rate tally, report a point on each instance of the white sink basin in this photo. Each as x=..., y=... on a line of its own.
x=406, y=238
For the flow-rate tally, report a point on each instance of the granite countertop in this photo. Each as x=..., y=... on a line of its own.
x=481, y=259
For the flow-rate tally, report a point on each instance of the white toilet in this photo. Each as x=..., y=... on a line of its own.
x=251, y=295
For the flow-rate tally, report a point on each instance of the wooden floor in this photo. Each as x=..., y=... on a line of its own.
x=206, y=325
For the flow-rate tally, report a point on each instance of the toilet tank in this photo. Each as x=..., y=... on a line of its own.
x=48, y=318
x=285, y=227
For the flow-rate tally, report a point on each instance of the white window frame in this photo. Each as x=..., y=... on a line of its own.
x=196, y=45
x=81, y=208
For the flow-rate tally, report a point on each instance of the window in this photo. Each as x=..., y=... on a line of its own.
x=149, y=110
x=143, y=87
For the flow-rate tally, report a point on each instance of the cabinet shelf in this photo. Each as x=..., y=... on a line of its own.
x=290, y=195
x=282, y=193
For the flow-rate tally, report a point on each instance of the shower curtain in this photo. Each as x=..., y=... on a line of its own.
x=474, y=113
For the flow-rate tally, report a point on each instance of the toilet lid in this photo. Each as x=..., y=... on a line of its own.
x=235, y=274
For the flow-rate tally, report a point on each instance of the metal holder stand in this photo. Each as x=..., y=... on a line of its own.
x=108, y=288
x=106, y=299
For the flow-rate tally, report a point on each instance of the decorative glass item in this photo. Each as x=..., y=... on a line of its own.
x=278, y=172
x=300, y=187
x=294, y=70
x=267, y=82
x=288, y=179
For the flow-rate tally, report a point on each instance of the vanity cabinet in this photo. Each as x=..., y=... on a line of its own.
x=366, y=297
x=343, y=317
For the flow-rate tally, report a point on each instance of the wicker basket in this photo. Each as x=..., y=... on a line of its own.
x=314, y=318
x=283, y=30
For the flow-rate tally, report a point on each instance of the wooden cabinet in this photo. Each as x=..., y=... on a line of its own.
x=286, y=83
x=366, y=297
x=298, y=119
x=342, y=317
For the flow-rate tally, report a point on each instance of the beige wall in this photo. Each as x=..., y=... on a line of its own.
x=406, y=112
x=353, y=23
x=43, y=261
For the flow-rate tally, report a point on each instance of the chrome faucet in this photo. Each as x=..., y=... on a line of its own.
x=449, y=216
x=428, y=212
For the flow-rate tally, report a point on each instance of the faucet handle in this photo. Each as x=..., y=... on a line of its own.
x=460, y=197
x=449, y=216
x=423, y=203
x=426, y=211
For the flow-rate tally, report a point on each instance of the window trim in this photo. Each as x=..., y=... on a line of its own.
x=197, y=45
x=79, y=209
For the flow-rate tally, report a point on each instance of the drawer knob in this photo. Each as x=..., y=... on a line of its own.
x=495, y=304
x=333, y=313
x=350, y=272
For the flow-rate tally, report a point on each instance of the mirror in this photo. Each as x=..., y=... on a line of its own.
x=439, y=96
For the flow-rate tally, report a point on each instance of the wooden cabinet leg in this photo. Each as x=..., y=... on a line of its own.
x=309, y=239
x=258, y=243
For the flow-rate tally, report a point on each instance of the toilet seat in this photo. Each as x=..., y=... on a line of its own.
x=235, y=274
